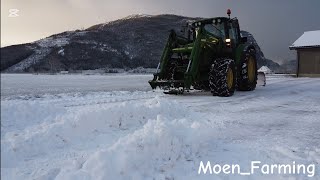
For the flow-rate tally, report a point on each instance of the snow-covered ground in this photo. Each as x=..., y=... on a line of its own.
x=13, y=85
x=115, y=127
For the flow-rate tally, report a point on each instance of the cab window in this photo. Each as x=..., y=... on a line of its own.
x=233, y=32
x=217, y=30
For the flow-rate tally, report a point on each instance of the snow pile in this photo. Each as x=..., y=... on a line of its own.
x=25, y=114
x=265, y=69
x=19, y=115
x=19, y=129
x=28, y=126
x=153, y=152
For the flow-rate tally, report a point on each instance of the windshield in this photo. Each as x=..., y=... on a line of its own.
x=216, y=29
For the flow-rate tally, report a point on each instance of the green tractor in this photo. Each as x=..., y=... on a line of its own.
x=211, y=56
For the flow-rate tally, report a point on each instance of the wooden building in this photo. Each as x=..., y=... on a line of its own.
x=308, y=54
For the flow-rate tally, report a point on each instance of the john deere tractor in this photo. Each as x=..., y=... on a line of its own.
x=211, y=56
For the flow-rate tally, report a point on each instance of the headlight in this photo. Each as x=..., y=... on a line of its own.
x=228, y=40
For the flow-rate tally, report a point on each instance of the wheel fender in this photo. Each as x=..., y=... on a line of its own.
x=247, y=47
x=243, y=54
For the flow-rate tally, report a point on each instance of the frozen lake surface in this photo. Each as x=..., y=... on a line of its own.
x=29, y=84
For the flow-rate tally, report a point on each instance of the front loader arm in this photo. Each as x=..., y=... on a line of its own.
x=194, y=62
x=166, y=54
x=170, y=48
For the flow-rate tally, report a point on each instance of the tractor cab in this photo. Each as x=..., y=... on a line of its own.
x=223, y=28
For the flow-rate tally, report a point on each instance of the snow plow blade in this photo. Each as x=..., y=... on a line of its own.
x=261, y=81
x=166, y=84
x=174, y=92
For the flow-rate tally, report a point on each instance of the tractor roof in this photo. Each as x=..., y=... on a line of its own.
x=210, y=20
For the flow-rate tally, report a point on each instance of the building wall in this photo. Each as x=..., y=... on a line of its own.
x=309, y=62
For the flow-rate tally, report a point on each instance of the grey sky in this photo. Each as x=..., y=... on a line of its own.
x=276, y=24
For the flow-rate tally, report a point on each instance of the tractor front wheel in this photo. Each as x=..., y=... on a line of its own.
x=222, y=77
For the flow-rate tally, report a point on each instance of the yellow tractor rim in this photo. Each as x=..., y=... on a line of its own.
x=251, y=69
x=230, y=78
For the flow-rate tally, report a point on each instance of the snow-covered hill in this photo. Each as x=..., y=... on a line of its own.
x=72, y=133
x=135, y=41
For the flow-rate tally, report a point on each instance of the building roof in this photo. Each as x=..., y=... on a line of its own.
x=309, y=39
x=265, y=69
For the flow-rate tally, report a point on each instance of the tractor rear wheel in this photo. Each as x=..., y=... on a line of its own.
x=222, y=77
x=247, y=80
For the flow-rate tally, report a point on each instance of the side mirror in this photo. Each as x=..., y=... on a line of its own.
x=244, y=39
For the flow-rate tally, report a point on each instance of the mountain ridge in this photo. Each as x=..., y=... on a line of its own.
x=134, y=41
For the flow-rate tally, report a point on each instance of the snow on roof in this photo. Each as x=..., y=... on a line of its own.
x=265, y=69
x=308, y=39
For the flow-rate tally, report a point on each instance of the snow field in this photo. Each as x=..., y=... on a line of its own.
x=149, y=135
x=44, y=128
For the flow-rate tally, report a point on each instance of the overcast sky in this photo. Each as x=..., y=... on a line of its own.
x=275, y=24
